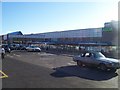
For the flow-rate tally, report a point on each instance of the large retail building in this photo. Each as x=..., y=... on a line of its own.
x=103, y=36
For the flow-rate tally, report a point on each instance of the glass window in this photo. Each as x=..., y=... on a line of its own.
x=98, y=55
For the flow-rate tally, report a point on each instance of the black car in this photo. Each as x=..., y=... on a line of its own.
x=22, y=47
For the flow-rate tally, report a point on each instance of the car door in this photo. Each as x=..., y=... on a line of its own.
x=93, y=60
x=33, y=48
x=89, y=59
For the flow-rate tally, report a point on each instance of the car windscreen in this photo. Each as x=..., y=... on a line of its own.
x=98, y=55
x=33, y=46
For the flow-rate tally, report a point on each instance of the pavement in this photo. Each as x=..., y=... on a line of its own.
x=47, y=70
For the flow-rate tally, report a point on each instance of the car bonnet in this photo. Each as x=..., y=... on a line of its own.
x=109, y=60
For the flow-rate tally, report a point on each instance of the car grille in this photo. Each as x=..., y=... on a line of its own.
x=117, y=64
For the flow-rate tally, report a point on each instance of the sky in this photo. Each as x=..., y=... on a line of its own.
x=40, y=17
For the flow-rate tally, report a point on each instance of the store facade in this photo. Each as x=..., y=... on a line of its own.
x=91, y=38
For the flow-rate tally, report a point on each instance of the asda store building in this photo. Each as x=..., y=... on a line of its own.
x=90, y=38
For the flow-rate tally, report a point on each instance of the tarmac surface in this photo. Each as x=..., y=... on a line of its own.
x=47, y=70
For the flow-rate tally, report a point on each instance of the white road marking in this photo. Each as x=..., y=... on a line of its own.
x=18, y=55
x=14, y=55
x=10, y=56
x=70, y=63
x=46, y=54
x=39, y=53
x=7, y=55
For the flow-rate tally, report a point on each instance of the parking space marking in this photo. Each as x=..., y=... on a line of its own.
x=18, y=55
x=9, y=55
x=4, y=75
x=39, y=53
x=70, y=63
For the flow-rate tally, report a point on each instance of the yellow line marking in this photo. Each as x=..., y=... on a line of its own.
x=4, y=75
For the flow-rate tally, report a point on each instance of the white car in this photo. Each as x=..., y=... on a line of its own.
x=2, y=52
x=33, y=48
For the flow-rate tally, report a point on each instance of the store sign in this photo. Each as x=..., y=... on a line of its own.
x=107, y=29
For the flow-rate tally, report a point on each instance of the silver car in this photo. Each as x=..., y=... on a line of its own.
x=98, y=60
x=33, y=48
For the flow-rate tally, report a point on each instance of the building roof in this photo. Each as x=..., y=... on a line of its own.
x=16, y=33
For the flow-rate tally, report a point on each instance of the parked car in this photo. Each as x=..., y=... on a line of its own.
x=14, y=46
x=21, y=47
x=2, y=52
x=33, y=48
x=6, y=47
x=97, y=59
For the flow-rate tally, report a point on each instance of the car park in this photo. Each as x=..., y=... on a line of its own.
x=97, y=59
x=33, y=48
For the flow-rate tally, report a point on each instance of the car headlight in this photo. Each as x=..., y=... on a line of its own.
x=115, y=64
x=111, y=64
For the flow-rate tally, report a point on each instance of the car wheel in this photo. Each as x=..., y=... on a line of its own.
x=103, y=67
x=79, y=63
